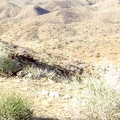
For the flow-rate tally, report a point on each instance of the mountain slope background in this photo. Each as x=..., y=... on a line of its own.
x=38, y=23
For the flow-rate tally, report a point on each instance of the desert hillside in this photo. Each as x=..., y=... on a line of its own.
x=78, y=26
x=54, y=45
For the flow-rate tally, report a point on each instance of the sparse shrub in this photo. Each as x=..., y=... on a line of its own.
x=13, y=107
x=100, y=97
x=38, y=73
x=7, y=65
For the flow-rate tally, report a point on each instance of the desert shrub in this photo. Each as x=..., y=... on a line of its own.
x=100, y=97
x=13, y=107
x=38, y=73
x=7, y=65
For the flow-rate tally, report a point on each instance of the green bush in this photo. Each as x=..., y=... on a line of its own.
x=13, y=107
x=7, y=65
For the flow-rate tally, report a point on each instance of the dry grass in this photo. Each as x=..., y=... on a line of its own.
x=95, y=97
x=100, y=96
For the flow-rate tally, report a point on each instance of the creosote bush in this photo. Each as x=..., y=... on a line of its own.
x=13, y=107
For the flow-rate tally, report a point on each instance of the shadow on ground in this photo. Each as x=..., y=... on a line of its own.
x=40, y=118
x=23, y=57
